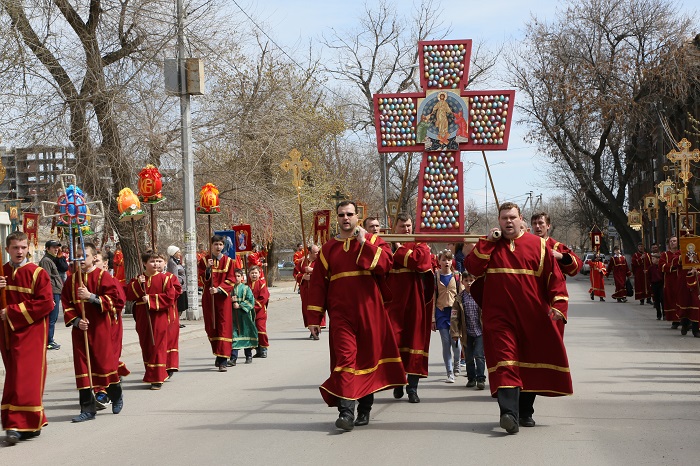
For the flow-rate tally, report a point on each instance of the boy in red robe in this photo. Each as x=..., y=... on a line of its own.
x=217, y=274
x=93, y=292
x=597, y=278
x=262, y=297
x=522, y=296
x=153, y=295
x=23, y=340
x=410, y=311
x=346, y=281
x=641, y=264
x=172, y=364
x=303, y=269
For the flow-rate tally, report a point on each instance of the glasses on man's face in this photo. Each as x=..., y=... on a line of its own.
x=347, y=214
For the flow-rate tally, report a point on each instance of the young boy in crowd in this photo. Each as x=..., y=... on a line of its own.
x=153, y=295
x=465, y=324
x=173, y=340
x=245, y=334
x=598, y=273
x=262, y=297
x=100, y=296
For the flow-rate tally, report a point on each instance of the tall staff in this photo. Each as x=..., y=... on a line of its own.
x=209, y=205
x=129, y=207
x=297, y=165
x=74, y=213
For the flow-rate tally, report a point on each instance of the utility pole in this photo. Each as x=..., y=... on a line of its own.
x=190, y=237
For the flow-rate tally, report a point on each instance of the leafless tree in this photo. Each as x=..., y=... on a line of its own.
x=582, y=90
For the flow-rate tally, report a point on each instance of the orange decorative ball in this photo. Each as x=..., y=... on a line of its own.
x=209, y=200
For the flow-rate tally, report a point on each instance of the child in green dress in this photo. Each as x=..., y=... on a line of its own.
x=245, y=334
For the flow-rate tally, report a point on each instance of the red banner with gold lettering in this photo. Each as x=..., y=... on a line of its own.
x=30, y=225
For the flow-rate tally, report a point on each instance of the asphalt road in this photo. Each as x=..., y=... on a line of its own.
x=635, y=402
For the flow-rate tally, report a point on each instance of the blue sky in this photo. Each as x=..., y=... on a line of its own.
x=294, y=23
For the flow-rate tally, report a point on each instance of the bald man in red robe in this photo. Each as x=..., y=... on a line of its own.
x=410, y=311
x=346, y=281
x=23, y=340
x=522, y=296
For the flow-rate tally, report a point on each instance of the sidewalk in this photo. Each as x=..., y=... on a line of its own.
x=57, y=359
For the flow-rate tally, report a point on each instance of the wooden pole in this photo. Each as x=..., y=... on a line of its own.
x=143, y=285
x=211, y=278
x=78, y=273
x=3, y=305
x=493, y=188
x=153, y=228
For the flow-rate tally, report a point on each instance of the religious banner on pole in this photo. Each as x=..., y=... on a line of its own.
x=14, y=210
x=30, y=225
x=243, y=237
x=322, y=221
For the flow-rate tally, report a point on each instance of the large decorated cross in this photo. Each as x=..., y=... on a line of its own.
x=440, y=122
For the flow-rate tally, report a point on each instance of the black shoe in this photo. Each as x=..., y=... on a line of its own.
x=592, y=298
x=602, y=300
x=28, y=435
x=12, y=437
x=675, y=325
x=619, y=300
x=413, y=397
x=170, y=373
x=696, y=334
x=258, y=355
x=684, y=328
x=82, y=417
x=641, y=303
x=223, y=367
x=182, y=326
x=264, y=353
x=509, y=423
x=527, y=422
x=345, y=422
x=471, y=383
x=249, y=360
x=158, y=386
x=649, y=301
x=231, y=363
x=118, y=405
x=398, y=392
x=658, y=317
x=362, y=419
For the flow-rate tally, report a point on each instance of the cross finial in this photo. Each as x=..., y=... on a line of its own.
x=297, y=165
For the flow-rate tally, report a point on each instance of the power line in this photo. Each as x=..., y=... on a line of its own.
x=288, y=55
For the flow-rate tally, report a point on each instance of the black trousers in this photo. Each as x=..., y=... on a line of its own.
x=657, y=293
x=87, y=397
x=412, y=383
x=513, y=401
x=364, y=405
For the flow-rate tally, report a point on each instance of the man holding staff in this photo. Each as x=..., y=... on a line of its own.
x=522, y=297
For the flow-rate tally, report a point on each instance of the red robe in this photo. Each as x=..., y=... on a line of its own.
x=173, y=359
x=618, y=267
x=669, y=265
x=363, y=353
x=118, y=261
x=219, y=327
x=522, y=344
x=304, y=289
x=104, y=361
x=161, y=293
x=23, y=341
x=410, y=310
x=597, y=278
x=118, y=335
x=262, y=297
x=689, y=303
x=641, y=263
x=256, y=258
x=570, y=264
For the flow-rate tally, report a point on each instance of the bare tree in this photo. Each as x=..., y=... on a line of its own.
x=583, y=93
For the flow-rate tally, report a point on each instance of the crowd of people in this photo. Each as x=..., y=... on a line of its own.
x=90, y=286
x=383, y=299
x=659, y=279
